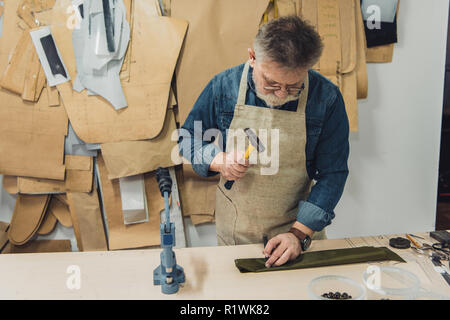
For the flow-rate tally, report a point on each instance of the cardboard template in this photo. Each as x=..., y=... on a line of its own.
x=155, y=46
x=78, y=178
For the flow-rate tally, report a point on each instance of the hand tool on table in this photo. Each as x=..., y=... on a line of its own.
x=442, y=236
x=400, y=243
x=168, y=274
x=255, y=143
x=414, y=242
x=439, y=267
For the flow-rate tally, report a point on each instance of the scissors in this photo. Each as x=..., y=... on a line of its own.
x=433, y=250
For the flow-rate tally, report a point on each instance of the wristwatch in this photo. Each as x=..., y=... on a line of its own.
x=305, y=240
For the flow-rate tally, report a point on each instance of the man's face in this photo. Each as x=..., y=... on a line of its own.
x=276, y=85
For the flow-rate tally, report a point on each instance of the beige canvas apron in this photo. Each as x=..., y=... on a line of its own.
x=264, y=204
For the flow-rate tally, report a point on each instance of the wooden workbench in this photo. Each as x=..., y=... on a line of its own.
x=210, y=273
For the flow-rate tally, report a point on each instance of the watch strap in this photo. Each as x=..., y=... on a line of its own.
x=299, y=234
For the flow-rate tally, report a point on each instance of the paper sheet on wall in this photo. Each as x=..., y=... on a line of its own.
x=3, y=234
x=40, y=246
x=48, y=224
x=10, y=184
x=197, y=194
x=98, y=68
x=121, y=236
x=130, y=158
x=204, y=55
x=32, y=141
x=75, y=146
x=87, y=220
x=78, y=178
x=61, y=211
x=361, y=64
x=336, y=22
x=134, y=205
x=2, y=10
x=155, y=46
x=28, y=214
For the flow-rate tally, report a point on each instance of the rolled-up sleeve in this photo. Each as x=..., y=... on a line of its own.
x=330, y=167
x=193, y=143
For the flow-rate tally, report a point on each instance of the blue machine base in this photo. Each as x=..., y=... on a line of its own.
x=159, y=278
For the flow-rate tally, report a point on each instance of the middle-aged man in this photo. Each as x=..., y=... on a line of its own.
x=304, y=115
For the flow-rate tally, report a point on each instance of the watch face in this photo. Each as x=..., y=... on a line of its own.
x=306, y=243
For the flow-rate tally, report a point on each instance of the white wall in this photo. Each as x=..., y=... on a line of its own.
x=392, y=186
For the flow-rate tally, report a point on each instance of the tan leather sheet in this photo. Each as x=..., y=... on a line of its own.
x=24, y=74
x=361, y=65
x=27, y=217
x=40, y=246
x=279, y=8
x=197, y=194
x=343, y=58
x=156, y=43
x=130, y=158
x=3, y=234
x=380, y=54
x=60, y=211
x=202, y=218
x=79, y=178
x=13, y=76
x=10, y=184
x=48, y=224
x=205, y=53
x=329, y=28
x=32, y=141
x=138, y=235
x=87, y=220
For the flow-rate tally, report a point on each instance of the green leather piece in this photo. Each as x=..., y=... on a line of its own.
x=322, y=259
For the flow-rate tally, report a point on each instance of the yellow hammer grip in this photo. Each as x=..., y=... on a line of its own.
x=248, y=151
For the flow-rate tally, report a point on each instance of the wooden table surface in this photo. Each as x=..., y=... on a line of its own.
x=210, y=273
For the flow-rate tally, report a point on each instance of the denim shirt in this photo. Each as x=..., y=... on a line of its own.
x=327, y=133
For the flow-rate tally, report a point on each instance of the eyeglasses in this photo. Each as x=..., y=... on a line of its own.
x=293, y=91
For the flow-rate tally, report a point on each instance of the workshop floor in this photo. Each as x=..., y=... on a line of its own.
x=443, y=216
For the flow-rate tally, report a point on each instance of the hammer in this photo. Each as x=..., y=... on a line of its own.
x=254, y=144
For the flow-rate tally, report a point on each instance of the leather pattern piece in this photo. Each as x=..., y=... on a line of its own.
x=322, y=259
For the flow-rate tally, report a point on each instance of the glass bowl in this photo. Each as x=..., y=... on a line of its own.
x=333, y=283
x=391, y=281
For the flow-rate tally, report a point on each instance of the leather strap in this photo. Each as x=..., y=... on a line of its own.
x=299, y=234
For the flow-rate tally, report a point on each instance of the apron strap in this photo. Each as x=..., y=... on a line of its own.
x=243, y=85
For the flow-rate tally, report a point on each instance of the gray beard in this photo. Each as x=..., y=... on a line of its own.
x=272, y=100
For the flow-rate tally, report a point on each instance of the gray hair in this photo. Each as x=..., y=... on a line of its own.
x=288, y=41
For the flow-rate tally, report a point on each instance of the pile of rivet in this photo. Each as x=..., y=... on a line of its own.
x=337, y=296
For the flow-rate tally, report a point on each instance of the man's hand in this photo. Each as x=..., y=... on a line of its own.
x=281, y=249
x=231, y=165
